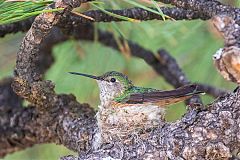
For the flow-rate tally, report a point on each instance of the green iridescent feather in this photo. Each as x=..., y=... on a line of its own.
x=132, y=90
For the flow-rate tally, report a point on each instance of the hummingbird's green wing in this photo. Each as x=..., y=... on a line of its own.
x=144, y=95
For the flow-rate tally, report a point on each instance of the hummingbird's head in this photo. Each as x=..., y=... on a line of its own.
x=111, y=84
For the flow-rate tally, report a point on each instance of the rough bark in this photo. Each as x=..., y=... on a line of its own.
x=67, y=122
x=227, y=59
x=22, y=26
x=138, y=14
x=208, y=8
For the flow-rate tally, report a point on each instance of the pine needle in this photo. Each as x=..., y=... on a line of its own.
x=159, y=12
x=113, y=14
x=17, y=10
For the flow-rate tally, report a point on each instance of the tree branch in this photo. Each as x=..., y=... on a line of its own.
x=191, y=10
x=136, y=13
x=208, y=8
x=100, y=16
x=213, y=91
x=21, y=26
x=227, y=59
x=68, y=123
x=74, y=125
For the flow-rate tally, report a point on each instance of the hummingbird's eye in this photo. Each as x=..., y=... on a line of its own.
x=113, y=80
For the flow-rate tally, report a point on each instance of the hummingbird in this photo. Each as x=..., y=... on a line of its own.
x=126, y=109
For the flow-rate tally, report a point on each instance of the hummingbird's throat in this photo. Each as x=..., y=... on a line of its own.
x=109, y=91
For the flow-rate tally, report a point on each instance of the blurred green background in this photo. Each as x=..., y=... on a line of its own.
x=192, y=43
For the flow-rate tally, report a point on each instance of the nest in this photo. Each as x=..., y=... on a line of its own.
x=128, y=122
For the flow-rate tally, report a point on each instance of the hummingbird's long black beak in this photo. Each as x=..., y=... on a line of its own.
x=86, y=75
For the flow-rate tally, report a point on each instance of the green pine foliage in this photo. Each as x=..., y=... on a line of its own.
x=14, y=11
x=17, y=10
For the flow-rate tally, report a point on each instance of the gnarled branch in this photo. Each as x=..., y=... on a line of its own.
x=208, y=8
